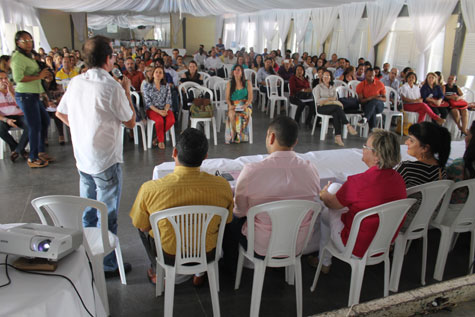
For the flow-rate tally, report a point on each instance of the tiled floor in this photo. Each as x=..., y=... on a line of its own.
x=21, y=184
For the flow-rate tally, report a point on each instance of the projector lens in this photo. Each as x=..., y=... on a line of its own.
x=40, y=244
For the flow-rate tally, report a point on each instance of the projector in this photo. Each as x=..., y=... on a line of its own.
x=34, y=240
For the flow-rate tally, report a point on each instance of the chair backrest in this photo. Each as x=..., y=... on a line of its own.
x=228, y=70
x=181, y=72
x=204, y=75
x=432, y=193
x=332, y=69
x=211, y=80
x=352, y=85
x=468, y=94
x=272, y=83
x=286, y=217
x=342, y=91
x=251, y=75
x=390, y=217
x=66, y=211
x=465, y=220
x=136, y=95
x=220, y=86
x=183, y=89
x=339, y=83
x=392, y=98
x=309, y=74
x=190, y=224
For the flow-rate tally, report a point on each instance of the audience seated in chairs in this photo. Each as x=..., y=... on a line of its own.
x=281, y=175
x=262, y=74
x=411, y=97
x=360, y=192
x=301, y=95
x=458, y=106
x=158, y=99
x=187, y=185
x=433, y=96
x=11, y=117
x=463, y=168
x=239, y=100
x=429, y=143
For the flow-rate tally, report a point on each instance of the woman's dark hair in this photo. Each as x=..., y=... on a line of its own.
x=192, y=147
x=410, y=74
x=379, y=73
x=261, y=64
x=303, y=70
x=233, y=80
x=331, y=76
x=271, y=69
x=347, y=71
x=53, y=85
x=96, y=50
x=436, y=137
x=4, y=63
x=18, y=36
x=164, y=80
x=469, y=155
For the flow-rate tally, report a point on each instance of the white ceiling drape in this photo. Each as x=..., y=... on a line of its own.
x=23, y=17
x=381, y=16
x=268, y=23
x=100, y=21
x=429, y=17
x=283, y=21
x=323, y=21
x=218, y=33
x=194, y=7
x=467, y=62
x=350, y=16
x=301, y=18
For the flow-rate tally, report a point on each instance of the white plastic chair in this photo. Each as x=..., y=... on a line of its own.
x=332, y=69
x=352, y=85
x=66, y=211
x=206, y=121
x=325, y=122
x=3, y=145
x=287, y=217
x=191, y=225
x=220, y=105
x=390, y=217
x=251, y=75
x=228, y=70
x=309, y=74
x=275, y=83
x=452, y=220
x=138, y=124
x=150, y=125
x=184, y=115
x=390, y=108
x=205, y=77
x=339, y=83
x=432, y=193
x=210, y=81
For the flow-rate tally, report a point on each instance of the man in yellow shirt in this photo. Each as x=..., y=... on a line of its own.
x=187, y=185
x=66, y=73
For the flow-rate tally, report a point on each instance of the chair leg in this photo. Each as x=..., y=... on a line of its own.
x=357, y=275
x=120, y=263
x=169, y=291
x=240, y=264
x=150, y=125
x=298, y=287
x=424, y=259
x=144, y=137
x=251, y=132
x=172, y=132
x=386, y=276
x=215, y=136
x=314, y=125
x=257, y=285
x=213, y=288
x=289, y=275
x=398, y=259
x=160, y=276
x=444, y=245
x=207, y=128
x=472, y=251
x=317, y=273
x=324, y=128
x=272, y=108
x=136, y=137
x=100, y=280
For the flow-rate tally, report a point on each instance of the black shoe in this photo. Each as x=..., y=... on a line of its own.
x=362, y=121
x=127, y=269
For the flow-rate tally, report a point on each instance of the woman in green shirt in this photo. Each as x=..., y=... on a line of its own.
x=28, y=76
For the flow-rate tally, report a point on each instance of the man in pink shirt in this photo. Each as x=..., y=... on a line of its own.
x=281, y=175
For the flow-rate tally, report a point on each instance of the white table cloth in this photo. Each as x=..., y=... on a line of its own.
x=332, y=165
x=49, y=296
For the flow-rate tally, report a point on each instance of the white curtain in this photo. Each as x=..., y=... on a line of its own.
x=99, y=21
x=176, y=26
x=283, y=21
x=429, y=17
x=218, y=33
x=23, y=17
x=254, y=31
x=323, y=21
x=467, y=62
x=350, y=16
x=79, y=21
x=268, y=27
x=301, y=18
x=468, y=13
x=194, y=7
x=242, y=25
x=381, y=16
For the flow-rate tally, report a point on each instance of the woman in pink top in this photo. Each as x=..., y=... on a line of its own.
x=411, y=97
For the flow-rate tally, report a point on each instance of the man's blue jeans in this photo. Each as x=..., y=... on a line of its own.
x=105, y=187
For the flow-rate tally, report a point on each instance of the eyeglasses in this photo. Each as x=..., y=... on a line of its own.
x=25, y=41
x=365, y=147
x=326, y=76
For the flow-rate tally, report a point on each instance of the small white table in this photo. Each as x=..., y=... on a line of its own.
x=38, y=295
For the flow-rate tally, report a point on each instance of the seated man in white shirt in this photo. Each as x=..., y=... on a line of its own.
x=11, y=116
x=213, y=63
x=230, y=58
x=280, y=176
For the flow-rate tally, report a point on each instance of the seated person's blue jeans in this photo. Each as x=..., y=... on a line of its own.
x=105, y=187
x=371, y=109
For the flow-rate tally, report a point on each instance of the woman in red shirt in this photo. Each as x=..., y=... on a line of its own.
x=301, y=95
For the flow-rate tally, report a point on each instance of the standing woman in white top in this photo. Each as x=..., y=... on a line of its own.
x=411, y=97
x=328, y=104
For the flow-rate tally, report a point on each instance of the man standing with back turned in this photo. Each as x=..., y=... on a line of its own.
x=94, y=107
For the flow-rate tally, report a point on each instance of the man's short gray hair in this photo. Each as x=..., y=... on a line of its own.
x=386, y=148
